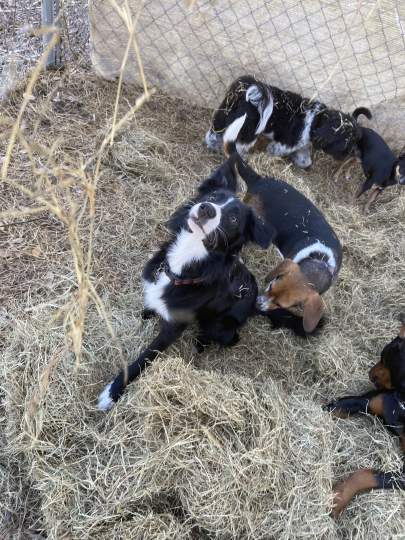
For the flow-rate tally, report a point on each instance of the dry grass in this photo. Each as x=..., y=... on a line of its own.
x=228, y=444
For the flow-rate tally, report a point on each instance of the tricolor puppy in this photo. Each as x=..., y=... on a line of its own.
x=291, y=123
x=311, y=250
x=388, y=403
x=197, y=275
x=381, y=167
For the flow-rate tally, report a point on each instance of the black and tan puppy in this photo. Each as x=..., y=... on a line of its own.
x=381, y=167
x=388, y=403
x=311, y=250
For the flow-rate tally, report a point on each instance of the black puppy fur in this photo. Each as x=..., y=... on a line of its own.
x=381, y=167
x=296, y=122
x=387, y=402
x=213, y=288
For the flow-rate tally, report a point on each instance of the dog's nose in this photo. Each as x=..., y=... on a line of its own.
x=206, y=211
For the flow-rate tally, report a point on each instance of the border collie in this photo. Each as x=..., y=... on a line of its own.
x=292, y=124
x=197, y=275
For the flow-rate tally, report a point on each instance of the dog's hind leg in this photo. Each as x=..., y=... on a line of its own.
x=302, y=157
x=361, y=481
x=168, y=334
x=349, y=405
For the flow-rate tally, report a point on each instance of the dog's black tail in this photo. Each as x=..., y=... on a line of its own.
x=282, y=318
x=248, y=175
x=362, y=110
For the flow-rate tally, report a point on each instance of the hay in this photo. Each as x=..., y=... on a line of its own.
x=227, y=444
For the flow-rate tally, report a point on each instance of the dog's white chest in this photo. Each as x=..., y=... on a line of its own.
x=153, y=292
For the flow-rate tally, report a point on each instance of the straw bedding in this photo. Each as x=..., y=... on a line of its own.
x=227, y=444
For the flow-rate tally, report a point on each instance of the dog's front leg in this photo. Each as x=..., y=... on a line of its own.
x=347, y=406
x=168, y=334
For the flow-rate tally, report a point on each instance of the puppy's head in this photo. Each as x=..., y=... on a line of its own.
x=400, y=170
x=288, y=287
x=218, y=217
x=389, y=372
x=224, y=223
x=336, y=133
x=246, y=98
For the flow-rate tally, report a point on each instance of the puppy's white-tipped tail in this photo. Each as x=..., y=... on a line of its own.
x=105, y=401
x=231, y=135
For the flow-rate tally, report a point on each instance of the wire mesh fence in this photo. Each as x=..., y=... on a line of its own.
x=347, y=53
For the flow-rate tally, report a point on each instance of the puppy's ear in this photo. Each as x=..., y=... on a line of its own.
x=258, y=231
x=178, y=219
x=313, y=310
x=225, y=177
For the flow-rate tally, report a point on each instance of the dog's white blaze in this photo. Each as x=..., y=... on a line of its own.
x=232, y=131
x=189, y=246
x=104, y=399
x=318, y=246
x=153, y=292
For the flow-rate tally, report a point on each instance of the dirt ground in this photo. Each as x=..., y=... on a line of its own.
x=226, y=444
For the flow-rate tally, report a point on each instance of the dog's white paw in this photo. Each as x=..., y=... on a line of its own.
x=105, y=401
x=302, y=158
x=263, y=303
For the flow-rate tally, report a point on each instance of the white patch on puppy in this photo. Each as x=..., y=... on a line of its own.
x=213, y=140
x=104, y=399
x=153, y=292
x=302, y=158
x=317, y=247
x=189, y=246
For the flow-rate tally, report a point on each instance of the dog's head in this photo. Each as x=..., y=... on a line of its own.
x=288, y=287
x=336, y=133
x=246, y=98
x=389, y=372
x=400, y=170
x=218, y=217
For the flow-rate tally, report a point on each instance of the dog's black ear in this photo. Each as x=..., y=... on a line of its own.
x=225, y=177
x=258, y=231
x=178, y=219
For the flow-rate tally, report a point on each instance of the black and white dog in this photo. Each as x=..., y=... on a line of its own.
x=291, y=123
x=197, y=276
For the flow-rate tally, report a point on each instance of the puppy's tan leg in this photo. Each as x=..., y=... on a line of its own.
x=343, y=493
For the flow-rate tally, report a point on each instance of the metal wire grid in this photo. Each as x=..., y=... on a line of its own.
x=343, y=50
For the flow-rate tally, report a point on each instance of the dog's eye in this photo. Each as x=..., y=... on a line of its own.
x=233, y=220
x=212, y=197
